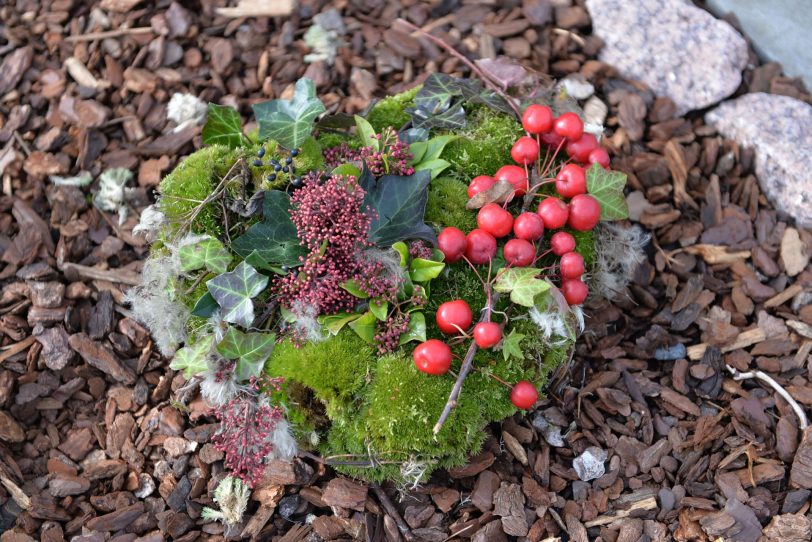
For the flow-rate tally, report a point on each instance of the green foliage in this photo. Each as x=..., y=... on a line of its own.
x=290, y=122
x=391, y=111
x=399, y=203
x=234, y=292
x=607, y=187
x=191, y=359
x=310, y=157
x=208, y=253
x=273, y=239
x=251, y=350
x=223, y=126
x=522, y=284
x=446, y=204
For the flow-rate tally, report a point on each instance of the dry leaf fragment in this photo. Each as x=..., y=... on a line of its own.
x=715, y=254
x=500, y=192
x=82, y=75
x=258, y=8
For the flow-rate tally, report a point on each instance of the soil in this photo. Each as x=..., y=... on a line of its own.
x=94, y=444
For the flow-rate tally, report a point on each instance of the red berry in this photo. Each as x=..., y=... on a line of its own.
x=571, y=265
x=519, y=253
x=574, y=290
x=537, y=119
x=570, y=181
x=562, y=242
x=599, y=156
x=480, y=184
x=452, y=243
x=481, y=247
x=516, y=176
x=528, y=226
x=524, y=395
x=553, y=212
x=495, y=220
x=432, y=357
x=585, y=212
x=525, y=150
x=579, y=149
x=453, y=316
x=487, y=334
x=552, y=139
x=569, y=125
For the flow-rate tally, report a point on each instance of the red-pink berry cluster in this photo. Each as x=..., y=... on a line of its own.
x=246, y=430
x=388, y=332
x=332, y=223
x=392, y=159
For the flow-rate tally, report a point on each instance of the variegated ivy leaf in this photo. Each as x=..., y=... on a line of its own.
x=290, y=122
x=209, y=253
x=191, y=359
x=251, y=350
x=511, y=346
x=522, y=283
x=223, y=126
x=234, y=290
x=607, y=187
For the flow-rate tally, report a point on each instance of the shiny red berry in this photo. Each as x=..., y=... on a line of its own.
x=481, y=247
x=562, y=242
x=569, y=125
x=574, y=290
x=528, y=226
x=571, y=265
x=580, y=148
x=570, y=181
x=585, y=212
x=552, y=139
x=553, y=212
x=599, y=156
x=519, y=253
x=525, y=150
x=480, y=184
x=487, y=334
x=454, y=317
x=432, y=357
x=495, y=220
x=452, y=243
x=516, y=176
x=537, y=119
x=524, y=395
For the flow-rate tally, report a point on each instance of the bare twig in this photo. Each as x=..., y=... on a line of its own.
x=389, y=506
x=764, y=377
x=14, y=349
x=465, y=60
x=117, y=33
x=120, y=276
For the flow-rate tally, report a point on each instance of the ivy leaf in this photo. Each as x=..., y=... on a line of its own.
x=223, y=126
x=510, y=346
x=366, y=133
x=209, y=253
x=365, y=326
x=416, y=330
x=400, y=204
x=474, y=92
x=191, y=359
x=607, y=187
x=452, y=118
x=251, y=350
x=437, y=92
x=234, y=290
x=522, y=283
x=205, y=306
x=380, y=309
x=335, y=322
x=352, y=287
x=290, y=122
x=424, y=270
x=274, y=239
x=401, y=248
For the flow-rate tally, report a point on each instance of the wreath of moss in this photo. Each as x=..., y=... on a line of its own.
x=341, y=399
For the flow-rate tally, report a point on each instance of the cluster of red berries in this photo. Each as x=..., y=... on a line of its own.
x=495, y=221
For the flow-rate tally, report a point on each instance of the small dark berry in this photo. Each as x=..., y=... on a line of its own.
x=277, y=167
x=297, y=182
x=257, y=162
x=285, y=169
x=288, y=161
x=261, y=152
x=285, y=268
x=272, y=177
x=294, y=152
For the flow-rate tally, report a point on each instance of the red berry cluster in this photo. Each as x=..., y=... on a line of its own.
x=524, y=231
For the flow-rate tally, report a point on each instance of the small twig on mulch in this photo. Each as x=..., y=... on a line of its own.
x=799, y=411
x=390, y=508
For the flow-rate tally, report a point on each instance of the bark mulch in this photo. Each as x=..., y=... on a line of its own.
x=94, y=445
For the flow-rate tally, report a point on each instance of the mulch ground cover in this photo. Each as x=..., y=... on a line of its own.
x=95, y=444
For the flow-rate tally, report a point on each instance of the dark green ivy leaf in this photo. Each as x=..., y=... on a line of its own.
x=400, y=204
x=251, y=350
x=205, y=306
x=290, y=122
x=223, y=126
x=234, y=292
x=274, y=239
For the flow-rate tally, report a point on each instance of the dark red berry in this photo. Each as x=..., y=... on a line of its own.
x=516, y=176
x=570, y=181
x=519, y=253
x=579, y=149
x=571, y=265
x=562, y=242
x=452, y=243
x=585, y=212
x=553, y=212
x=524, y=395
x=537, y=119
x=481, y=247
x=480, y=184
x=569, y=125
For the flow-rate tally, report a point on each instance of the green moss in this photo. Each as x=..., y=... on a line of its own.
x=391, y=111
x=310, y=157
x=446, y=204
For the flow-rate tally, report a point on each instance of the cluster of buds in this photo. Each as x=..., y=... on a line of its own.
x=392, y=158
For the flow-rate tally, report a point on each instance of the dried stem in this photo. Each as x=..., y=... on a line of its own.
x=764, y=377
x=390, y=508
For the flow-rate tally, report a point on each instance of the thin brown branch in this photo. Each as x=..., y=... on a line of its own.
x=390, y=508
x=117, y=33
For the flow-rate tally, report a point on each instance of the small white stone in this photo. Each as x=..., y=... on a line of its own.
x=589, y=465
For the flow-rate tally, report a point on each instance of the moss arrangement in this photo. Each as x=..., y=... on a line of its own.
x=327, y=379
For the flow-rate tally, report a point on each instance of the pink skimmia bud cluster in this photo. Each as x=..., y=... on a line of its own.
x=392, y=158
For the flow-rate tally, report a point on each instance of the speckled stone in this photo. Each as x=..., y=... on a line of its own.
x=779, y=128
x=678, y=50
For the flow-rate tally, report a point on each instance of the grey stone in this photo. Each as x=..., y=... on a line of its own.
x=779, y=128
x=678, y=50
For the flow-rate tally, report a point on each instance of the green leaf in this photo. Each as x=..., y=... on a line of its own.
x=205, y=306
x=380, y=309
x=607, y=187
x=452, y=118
x=436, y=145
x=209, y=253
x=437, y=92
x=191, y=359
x=401, y=248
x=418, y=151
x=400, y=204
x=290, y=122
x=352, y=287
x=251, y=350
x=424, y=270
x=522, y=283
x=416, y=330
x=274, y=239
x=434, y=166
x=365, y=326
x=510, y=346
x=366, y=133
x=234, y=290
x=223, y=126
x=335, y=322
x=347, y=169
